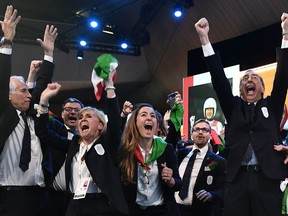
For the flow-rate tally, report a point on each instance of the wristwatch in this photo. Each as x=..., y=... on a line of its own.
x=5, y=41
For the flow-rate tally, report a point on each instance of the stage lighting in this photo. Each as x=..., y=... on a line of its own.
x=124, y=45
x=80, y=55
x=82, y=42
x=178, y=10
x=93, y=23
x=93, y=20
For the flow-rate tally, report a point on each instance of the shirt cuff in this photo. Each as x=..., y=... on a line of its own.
x=208, y=50
x=7, y=51
x=31, y=85
x=284, y=44
x=48, y=58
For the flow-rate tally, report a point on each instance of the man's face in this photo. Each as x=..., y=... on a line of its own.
x=20, y=97
x=209, y=113
x=69, y=114
x=201, y=134
x=251, y=87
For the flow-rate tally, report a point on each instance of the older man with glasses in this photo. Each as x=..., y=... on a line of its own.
x=203, y=175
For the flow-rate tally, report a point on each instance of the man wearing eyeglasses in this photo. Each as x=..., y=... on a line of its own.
x=203, y=180
x=70, y=109
x=254, y=168
x=67, y=128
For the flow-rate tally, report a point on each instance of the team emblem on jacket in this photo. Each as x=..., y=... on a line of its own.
x=209, y=179
x=265, y=112
x=99, y=149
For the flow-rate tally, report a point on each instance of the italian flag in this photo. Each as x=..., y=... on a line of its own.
x=105, y=64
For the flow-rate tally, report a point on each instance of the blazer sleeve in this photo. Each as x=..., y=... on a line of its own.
x=44, y=77
x=220, y=177
x=113, y=134
x=47, y=136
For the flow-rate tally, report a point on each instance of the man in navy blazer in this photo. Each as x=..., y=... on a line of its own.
x=22, y=191
x=67, y=128
x=207, y=176
x=254, y=168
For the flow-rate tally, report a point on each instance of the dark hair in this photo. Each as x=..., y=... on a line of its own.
x=201, y=120
x=72, y=100
x=163, y=130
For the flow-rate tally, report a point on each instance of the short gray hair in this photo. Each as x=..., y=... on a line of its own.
x=12, y=83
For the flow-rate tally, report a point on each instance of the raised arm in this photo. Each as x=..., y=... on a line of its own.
x=284, y=26
x=202, y=28
x=34, y=68
x=47, y=67
x=9, y=24
x=48, y=41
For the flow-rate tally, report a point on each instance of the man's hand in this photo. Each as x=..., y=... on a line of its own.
x=34, y=68
x=10, y=22
x=48, y=42
x=178, y=98
x=204, y=196
x=127, y=107
x=282, y=148
x=50, y=92
x=202, y=28
x=284, y=25
x=167, y=175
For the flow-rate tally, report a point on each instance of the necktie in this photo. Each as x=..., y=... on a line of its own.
x=248, y=153
x=183, y=193
x=71, y=131
x=251, y=111
x=25, y=156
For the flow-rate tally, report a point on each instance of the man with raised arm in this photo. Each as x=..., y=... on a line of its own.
x=24, y=163
x=254, y=168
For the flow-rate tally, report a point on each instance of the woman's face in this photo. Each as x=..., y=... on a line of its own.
x=146, y=122
x=89, y=126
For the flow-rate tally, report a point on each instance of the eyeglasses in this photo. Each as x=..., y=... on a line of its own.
x=145, y=178
x=69, y=109
x=204, y=130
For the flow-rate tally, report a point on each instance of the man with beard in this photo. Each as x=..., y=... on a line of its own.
x=202, y=180
x=67, y=128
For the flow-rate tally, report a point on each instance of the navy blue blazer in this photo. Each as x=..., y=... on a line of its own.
x=211, y=180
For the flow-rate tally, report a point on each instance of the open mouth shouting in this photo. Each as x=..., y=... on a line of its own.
x=250, y=89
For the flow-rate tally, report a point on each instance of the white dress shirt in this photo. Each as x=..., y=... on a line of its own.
x=195, y=170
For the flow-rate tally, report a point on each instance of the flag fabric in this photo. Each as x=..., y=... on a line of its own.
x=158, y=148
x=176, y=115
x=105, y=64
x=284, y=189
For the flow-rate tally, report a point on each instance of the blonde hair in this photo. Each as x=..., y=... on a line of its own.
x=99, y=113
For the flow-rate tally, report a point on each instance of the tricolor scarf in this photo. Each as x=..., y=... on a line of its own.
x=158, y=147
x=105, y=64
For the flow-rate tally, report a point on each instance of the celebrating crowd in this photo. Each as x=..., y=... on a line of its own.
x=126, y=161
